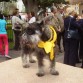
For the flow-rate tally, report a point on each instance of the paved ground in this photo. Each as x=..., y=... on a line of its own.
x=12, y=72
x=15, y=54
x=12, y=53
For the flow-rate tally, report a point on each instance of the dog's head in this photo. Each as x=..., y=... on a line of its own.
x=34, y=28
x=39, y=28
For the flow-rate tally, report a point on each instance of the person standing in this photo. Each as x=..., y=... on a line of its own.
x=80, y=21
x=71, y=43
x=60, y=34
x=32, y=17
x=18, y=13
x=17, y=29
x=58, y=25
x=4, y=48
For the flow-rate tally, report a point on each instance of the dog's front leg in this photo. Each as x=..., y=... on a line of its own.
x=31, y=60
x=25, y=61
x=40, y=64
x=52, y=67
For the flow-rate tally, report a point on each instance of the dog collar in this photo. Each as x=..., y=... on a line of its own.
x=49, y=45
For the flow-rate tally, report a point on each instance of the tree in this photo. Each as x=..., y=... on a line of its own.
x=32, y=5
x=45, y=3
x=7, y=0
x=4, y=0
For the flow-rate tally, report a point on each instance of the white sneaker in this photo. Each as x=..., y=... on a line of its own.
x=7, y=56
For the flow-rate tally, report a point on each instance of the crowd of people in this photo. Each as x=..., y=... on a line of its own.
x=68, y=25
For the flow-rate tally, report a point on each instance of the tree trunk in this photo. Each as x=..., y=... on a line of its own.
x=30, y=5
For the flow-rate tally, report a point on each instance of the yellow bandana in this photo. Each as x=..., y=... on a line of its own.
x=49, y=45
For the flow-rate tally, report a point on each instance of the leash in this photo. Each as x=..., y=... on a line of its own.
x=49, y=45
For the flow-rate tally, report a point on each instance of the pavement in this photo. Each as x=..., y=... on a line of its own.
x=16, y=54
x=11, y=71
x=12, y=53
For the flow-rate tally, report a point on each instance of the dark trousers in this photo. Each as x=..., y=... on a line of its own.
x=59, y=37
x=81, y=50
x=17, y=39
x=71, y=51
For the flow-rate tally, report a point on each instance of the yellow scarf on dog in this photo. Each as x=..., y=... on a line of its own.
x=49, y=45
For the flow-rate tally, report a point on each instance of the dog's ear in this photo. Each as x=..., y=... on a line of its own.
x=40, y=25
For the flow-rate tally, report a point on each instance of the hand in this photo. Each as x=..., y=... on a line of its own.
x=59, y=29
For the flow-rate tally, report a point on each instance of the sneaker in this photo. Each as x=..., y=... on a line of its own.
x=7, y=56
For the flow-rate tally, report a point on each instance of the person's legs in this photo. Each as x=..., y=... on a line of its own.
x=1, y=45
x=66, y=52
x=63, y=44
x=5, y=41
x=82, y=64
x=17, y=40
x=73, y=52
x=81, y=48
x=15, y=37
x=59, y=41
x=77, y=55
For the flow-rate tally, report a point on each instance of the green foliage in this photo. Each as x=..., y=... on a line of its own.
x=5, y=13
x=4, y=0
x=49, y=2
x=7, y=0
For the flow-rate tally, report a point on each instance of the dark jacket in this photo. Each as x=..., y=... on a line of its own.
x=81, y=27
x=71, y=23
x=81, y=39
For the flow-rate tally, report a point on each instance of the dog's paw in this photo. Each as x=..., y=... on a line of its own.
x=40, y=74
x=26, y=66
x=54, y=72
x=32, y=61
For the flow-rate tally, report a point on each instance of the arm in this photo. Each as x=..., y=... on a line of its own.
x=75, y=24
x=23, y=24
x=18, y=20
x=61, y=21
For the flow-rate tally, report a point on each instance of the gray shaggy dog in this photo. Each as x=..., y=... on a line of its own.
x=29, y=44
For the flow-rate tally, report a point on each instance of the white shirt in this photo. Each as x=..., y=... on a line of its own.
x=16, y=19
x=33, y=19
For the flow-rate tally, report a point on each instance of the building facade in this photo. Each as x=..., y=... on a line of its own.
x=75, y=1
x=79, y=3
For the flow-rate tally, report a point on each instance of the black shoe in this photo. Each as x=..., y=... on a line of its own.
x=78, y=61
x=81, y=66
